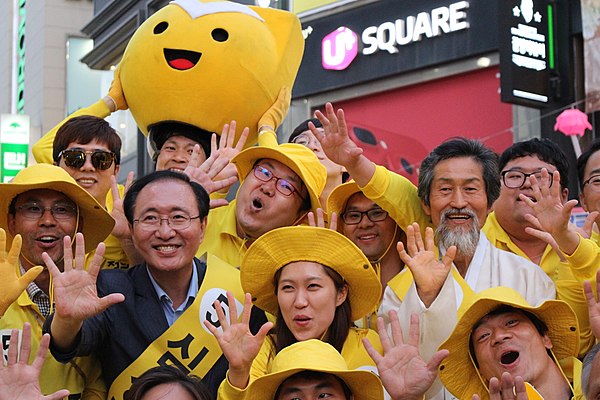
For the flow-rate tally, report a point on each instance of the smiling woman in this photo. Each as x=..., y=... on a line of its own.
x=315, y=292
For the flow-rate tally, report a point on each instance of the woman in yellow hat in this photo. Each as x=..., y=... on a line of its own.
x=315, y=282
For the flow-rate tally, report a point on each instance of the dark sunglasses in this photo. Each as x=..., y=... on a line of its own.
x=76, y=158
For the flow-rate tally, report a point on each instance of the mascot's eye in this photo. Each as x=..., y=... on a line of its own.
x=219, y=34
x=161, y=27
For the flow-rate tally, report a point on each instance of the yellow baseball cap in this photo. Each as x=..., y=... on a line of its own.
x=296, y=157
x=279, y=247
x=97, y=222
x=458, y=372
x=314, y=355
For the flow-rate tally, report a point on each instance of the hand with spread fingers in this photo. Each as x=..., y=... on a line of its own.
x=214, y=173
x=320, y=220
x=20, y=380
x=506, y=388
x=550, y=213
x=334, y=139
x=75, y=292
x=403, y=372
x=11, y=284
x=227, y=150
x=237, y=342
x=428, y=272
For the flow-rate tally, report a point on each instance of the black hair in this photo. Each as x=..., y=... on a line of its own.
x=84, y=129
x=303, y=127
x=202, y=199
x=544, y=149
x=161, y=132
x=167, y=374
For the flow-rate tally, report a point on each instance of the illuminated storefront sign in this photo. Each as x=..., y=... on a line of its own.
x=526, y=51
x=14, y=144
x=340, y=47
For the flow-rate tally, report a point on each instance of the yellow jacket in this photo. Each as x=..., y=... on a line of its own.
x=353, y=351
x=220, y=237
x=568, y=276
x=82, y=377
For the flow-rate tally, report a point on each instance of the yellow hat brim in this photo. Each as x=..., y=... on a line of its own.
x=96, y=223
x=318, y=356
x=458, y=372
x=298, y=158
x=279, y=247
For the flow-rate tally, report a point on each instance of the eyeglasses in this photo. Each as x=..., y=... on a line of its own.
x=74, y=158
x=282, y=185
x=593, y=182
x=306, y=141
x=35, y=211
x=354, y=217
x=175, y=221
x=515, y=179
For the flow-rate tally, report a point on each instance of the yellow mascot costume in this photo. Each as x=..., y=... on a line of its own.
x=202, y=63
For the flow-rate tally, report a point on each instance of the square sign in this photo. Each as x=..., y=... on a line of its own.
x=14, y=144
x=526, y=51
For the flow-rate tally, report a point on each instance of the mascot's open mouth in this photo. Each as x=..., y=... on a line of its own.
x=181, y=59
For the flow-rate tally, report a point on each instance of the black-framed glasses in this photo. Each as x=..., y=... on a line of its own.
x=75, y=158
x=34, y=211
x=515, y=179
x=593, y=183
x=354, y=217
x=282, y=185
x=175, y=221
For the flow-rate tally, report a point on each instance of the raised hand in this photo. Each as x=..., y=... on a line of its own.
x=75, y=291
x=20, y=380
x=273, y=117
x=403, y=372
x=227, y=150
x=205, y=172
x=237, y=342
x=549, y=212
x=11, y=285
x=320, y=221
x=506, y=388
x=428, y=272
x=335, y=141
x=121, y=229
x=593, y=304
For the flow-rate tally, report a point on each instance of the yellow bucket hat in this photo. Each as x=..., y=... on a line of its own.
x=458, y=372
x=336, y=202
x=97, y=222
x=296, y=157
x=314, y=355
x=279, y=247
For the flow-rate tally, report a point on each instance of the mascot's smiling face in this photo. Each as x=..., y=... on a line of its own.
x=206, y=63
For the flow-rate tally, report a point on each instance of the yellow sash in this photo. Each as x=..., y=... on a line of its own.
x=188, y=344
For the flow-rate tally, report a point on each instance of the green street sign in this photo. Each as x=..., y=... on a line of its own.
x=14, y=159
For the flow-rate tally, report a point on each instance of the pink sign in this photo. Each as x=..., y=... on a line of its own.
x=339, y=49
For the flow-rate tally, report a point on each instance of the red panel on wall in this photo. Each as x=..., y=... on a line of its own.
x=400, y=127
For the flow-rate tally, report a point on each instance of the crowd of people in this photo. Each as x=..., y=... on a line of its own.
x=326, y=277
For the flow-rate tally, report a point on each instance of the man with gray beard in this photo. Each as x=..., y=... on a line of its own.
x=458, y=183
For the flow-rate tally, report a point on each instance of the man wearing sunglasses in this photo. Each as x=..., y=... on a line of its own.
x=279, y=186
x=38, y=209
x=510, y=228
x=89, y=149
